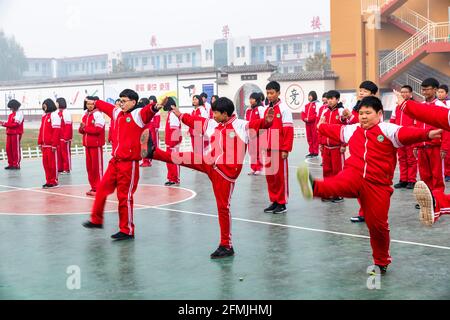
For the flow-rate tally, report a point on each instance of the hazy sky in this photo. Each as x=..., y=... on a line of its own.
x=50, y=28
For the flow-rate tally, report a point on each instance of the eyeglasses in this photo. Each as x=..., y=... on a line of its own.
x=124, y=101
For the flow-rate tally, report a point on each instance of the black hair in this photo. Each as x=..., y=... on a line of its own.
x=51, y=106
x=204, y=95
x=200, y=100
x=90, y=98
x=324, y=95
x=14, y=105
x=130, y=94
x=62, y=104
x=273, y=85
x=410, y=89
x=430, y=82
x=369, y=85
x=444, y=87
x=153, y=98
x=170, y=102
x=313, y=94
x=262, y=96
x=215, y=96
x=224, y=105
x=372, y=102
x=144, y=101
x=257, y=97
x=118, y=100
x=333, y=94
x=266, y=101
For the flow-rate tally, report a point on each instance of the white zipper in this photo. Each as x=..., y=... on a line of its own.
x=365, y=154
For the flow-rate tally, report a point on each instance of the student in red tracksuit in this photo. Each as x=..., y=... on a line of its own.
x=92, y=127
x=254, y=112
x=322, y=110
x=66, y=132
x=111, y=124
x=333, y=151
x=309, y=116
x=173, y=139
x=368, y=171
x=223, y=163
x=123, y=169
x=280, y=138
x=14, y=131
x=433, y=203
x=204, y=97
x=199, y=142
x=153, y=128
x=406, y=159
x=48, y=140
x=442, y=95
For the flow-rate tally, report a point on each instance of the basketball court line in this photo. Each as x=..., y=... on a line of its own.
x=141, y=207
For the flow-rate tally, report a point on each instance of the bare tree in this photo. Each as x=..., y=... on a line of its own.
x=12, y=58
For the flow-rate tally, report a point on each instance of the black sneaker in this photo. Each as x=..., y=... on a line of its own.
x=400, y=185
x=357, y=219
x=309, y=155
x=8, y=168
x=121, y=236
x=410, y=185
x=222, y=252
x=417, y=206
x=169, y=183
x=281, y=208
x=50, y=186
x=147, y=146
x=377, y=269
x=337, y=200
x=271, y=208
x=91, y=225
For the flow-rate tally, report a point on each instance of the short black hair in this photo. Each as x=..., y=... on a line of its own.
x=200, y=100
x=313, y=94
x=224, y=105
x=130, y=94
x=117, y=100
x=324, y=95
x=410, y=89
x=51, y=106
x=153, y=98
x=430, y=82
x=143, y=102
x=215, y=96
x=204, y=95
x=256, y=96
x=369, y=85
x=14, y=105
x=62, y=104
x=444, y=87
x=372, y=102
x=262, y=96
x=90, y=98
x=273, y=85
x=333, y=94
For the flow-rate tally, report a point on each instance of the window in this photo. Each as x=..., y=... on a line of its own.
x=253, y=52
x=318, y=46
x=96, y=65
x=144, y=61
x=208, y=54
x=169, y=59
x=136, y=62
x=194, y=56
x=153, y=61
x=83, y=67
x=179, y=58
x=243, y=52
x=188, y=57
x=269, y=50
x=238, y=52
x=297, y=48
x=310, y=46
x=36, y=67
x=103, y=65
x=285, y=49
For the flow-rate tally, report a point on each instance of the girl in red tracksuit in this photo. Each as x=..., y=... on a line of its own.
x=14, y=131
x=123, y=169
x=66, y=132
x=49, y=138
x=173, y=139
x=309, y=116
x=255, y=112
x=223, y=163
x=199, y=143
x=153, y=128
x=368, y=171
x=92, y=127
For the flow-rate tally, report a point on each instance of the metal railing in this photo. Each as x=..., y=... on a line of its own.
x=433, y=32
x=411, y=18
x=413, y=82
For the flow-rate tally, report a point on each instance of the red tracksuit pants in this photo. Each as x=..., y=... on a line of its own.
x=123, y=175
x=13, y=149
x=50, y=162
x=350, y=184
x=222, y=187
x=430, y=167
x=442, y=201
x=64, y=156
x=173, y=170
x=332, y=161
x=155, y=138
x=94, y=165
x=408, y=164
x=447, y=165
x=312, y=138
x=254, y=152
x=277, y=177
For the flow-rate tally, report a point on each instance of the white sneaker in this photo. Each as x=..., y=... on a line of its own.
x=425, y=199
x=305, y=182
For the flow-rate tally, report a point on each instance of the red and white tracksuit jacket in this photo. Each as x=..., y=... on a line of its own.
x=111, y=130
x=320, y=114
x=254, y=151
x=173, y=139
x=153, y=127
x=223, y=162
x=14, y=131
x=368, y=174
x=406, y=159
x=280, y=138
x=123, y=169
x=93, y=133
x=66, y=135
x=439, y=118
x=49, y=138
x=430, y=161
x=309, y=116
x=446, y=143
x=209, y=110
x=332, y=157
x=199, y=142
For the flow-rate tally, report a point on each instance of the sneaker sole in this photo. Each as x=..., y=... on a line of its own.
x=222, y=257
x=144, y=143
x=278, y=212
x=425, y=200
x=305, y=184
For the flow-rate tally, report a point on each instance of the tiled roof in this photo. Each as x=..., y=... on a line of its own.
x=306, y=75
